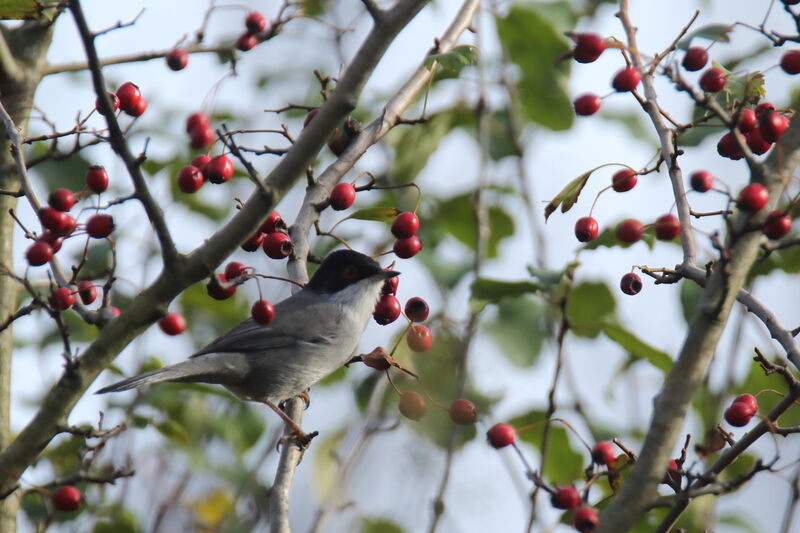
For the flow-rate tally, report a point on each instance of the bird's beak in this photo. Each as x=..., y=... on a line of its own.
x=386, y=274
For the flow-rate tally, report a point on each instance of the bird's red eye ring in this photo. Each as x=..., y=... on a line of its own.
x=350, y=272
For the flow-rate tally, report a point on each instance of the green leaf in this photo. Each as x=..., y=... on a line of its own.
x=20, y=9
x=520, y=329
x=739, y=467
x=413, y=145
x=712, y=32
x=591, y=305
x=123, y=522
x=68, y=173
x=455, y=60
x=563, y=464
x=486, y=291
x=764, y=387
x=456, y=216
x=326, y=463
x=98, y=260
x=501, y=144
x=568, y=195
x=379, y=525
x=637, y=348
x=690, y=296
x=786, y=260
x=314, y=8
x=535, y=46
x=635, y=124
x=378, y=214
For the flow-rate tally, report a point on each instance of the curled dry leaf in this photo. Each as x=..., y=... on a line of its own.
x=379, y=359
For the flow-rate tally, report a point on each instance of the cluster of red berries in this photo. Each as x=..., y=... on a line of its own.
x=762, y=127
x=217, y=170
x=743, y=408
x=128, y=98
x=255, y=23
x=387, y=310
x=752, y=198
x=198, y=127
x=272, y=237
x=58, y=224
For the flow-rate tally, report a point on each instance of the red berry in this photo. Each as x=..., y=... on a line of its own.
x=139, y=109
x=565, y=497
x=728, y=147
x=235, y=269
x=749, y=400
x=673, y=471
x=262, y=311
x=603, y=453
x=386, y=310
x=390, y=285
x=667, y=227
x=273, y=223
x=53, y=239
x=310, y=116
x=586, y=229
x=696, y=58
x=738, y=414
x=343, y=196
x=713, y=80
x=772, y=125
x=255, y=22
x=501, y=435
x=219, y=169
x=200, y=161
x=417, y=309
x=407, y=248
x=253, y=243
x=586, y=519
x=587, y=104
x=278, y=245
x=756, y=142
x=588, y=47
x=763, y=108
x=626, y=79
x=701, y=180
x=87, y=291
x=62, y=298
x=39, y=253
x=190, y=179
x=630, y=284
x=747, y=120
x=419, y=338
x=246, y=42
x=790, y=62
x=177, y=59
x=62, y=199
x=463, y=412
x=623, y=180
x=66, y=498
x=630, y=230
x=129, y=96
x=196, y=120
x=778, y=225
x=752, y=198
x=172, y=324
x=215, y=289
x=100, y=226
x=412, y=405
x=405, y=225
x=201, y=136
x=97, y=179
x=58, y=222
x=114, y=102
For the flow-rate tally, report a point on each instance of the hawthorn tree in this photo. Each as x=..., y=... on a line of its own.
x=143, y=211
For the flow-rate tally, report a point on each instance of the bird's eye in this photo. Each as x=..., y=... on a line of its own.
x=350, y=272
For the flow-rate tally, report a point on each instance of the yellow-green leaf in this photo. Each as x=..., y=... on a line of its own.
x=20, y=9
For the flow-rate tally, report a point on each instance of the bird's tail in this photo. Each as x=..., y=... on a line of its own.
x=155, y=376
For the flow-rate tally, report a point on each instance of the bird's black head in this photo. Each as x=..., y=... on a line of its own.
x=342, y=268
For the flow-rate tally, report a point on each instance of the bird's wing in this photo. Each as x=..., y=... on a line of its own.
x=285, y=331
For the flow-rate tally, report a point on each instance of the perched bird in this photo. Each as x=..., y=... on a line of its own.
x=314, y=332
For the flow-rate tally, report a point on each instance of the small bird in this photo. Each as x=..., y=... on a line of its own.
x=314, y=332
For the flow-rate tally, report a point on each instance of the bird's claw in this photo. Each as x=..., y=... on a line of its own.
x=297, y=437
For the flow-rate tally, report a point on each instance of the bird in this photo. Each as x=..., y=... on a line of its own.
x=315, y=331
